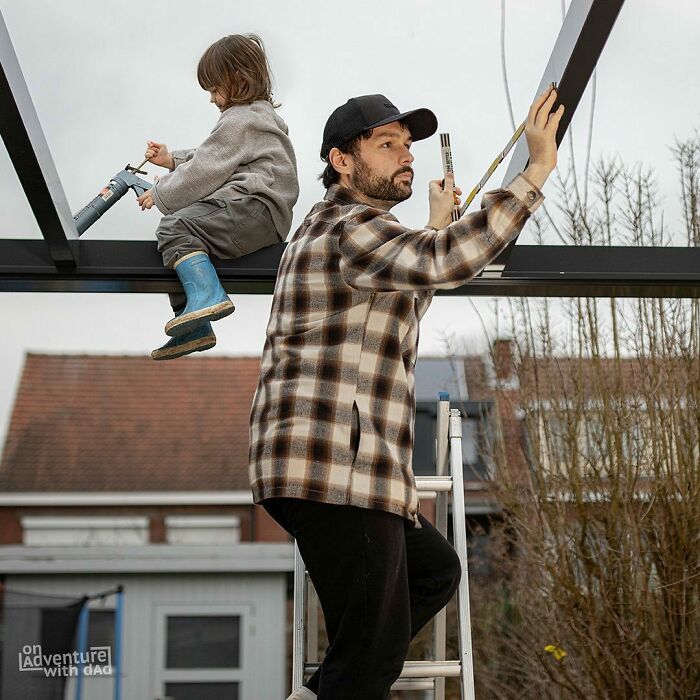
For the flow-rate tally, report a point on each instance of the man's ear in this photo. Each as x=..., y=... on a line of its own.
x=342, y=162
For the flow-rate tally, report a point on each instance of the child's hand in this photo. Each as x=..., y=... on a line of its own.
x=158, y=154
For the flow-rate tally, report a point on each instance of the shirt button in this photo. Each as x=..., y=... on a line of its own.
x=531, y=195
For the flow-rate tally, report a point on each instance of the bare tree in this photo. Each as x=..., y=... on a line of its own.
x=598, y=551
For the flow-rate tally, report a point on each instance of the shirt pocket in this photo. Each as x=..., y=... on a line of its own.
x=354, y=433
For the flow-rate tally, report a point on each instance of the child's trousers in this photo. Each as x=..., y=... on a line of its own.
x=218, y=227
x=379, y=581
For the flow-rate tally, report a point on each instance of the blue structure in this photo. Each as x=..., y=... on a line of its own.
x=117, y=660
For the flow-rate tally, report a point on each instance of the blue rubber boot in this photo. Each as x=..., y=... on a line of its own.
x=206, y=299
x=201, y=338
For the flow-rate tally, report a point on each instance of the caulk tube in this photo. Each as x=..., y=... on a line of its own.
x=110, y=194
x=90, y=213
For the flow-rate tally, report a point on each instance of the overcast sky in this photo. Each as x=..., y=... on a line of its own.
x=105, y=78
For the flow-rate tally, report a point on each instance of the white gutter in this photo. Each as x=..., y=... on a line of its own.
x=238, y=557
x=126, y=498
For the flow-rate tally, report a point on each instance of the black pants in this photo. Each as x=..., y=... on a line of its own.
x=379, y=581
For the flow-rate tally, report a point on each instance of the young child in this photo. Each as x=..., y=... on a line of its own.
x=229, y=197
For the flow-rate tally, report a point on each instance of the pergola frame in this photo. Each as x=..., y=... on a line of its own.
x=63, y=263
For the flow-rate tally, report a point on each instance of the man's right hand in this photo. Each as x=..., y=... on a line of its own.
x=541, y=132
x=158, y=154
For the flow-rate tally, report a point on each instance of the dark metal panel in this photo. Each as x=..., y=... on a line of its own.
x=578, y=47
x=124, y=266
x=30, y=155
x=555, y=271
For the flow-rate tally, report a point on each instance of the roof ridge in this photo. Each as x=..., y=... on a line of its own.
x=131, y=356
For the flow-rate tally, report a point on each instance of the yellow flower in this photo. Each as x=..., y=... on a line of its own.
x=556, y=652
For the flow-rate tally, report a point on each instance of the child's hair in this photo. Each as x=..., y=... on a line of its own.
x=238, y=65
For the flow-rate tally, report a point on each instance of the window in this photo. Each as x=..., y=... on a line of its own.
x=557, y=441
x=595, y=445
x=202, y=691
x=202, y=651
x=475, y=468
x=476, y=439
x=424, y=448
x=203, y=642
x=84, y=531
x=101, y=628
x=203, y=529
x=586, y=438
x=59, y=627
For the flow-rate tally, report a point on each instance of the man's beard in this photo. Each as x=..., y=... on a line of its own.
x=380, y=187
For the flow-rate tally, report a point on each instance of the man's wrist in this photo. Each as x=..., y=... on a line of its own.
x=537, y=174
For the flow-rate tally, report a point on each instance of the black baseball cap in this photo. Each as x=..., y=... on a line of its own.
x=367, y=111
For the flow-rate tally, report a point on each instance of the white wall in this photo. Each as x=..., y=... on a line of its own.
x=260, y=598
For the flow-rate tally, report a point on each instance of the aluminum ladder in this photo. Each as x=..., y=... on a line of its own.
x=416, y=675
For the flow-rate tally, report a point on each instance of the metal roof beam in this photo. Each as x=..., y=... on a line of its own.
x=578, y=47
x=533, y=270
x=25, y=142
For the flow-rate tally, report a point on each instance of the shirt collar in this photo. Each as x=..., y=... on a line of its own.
x=341, y=195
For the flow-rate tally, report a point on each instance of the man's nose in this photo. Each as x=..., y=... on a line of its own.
x=407, y=156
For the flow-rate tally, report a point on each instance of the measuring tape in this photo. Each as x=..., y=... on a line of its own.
x=447, y=160
x=493, y=166
x=447, y=167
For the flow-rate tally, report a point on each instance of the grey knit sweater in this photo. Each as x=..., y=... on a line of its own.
x=247, y=153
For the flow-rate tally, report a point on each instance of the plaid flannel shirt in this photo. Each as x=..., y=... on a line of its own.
x=341, y=345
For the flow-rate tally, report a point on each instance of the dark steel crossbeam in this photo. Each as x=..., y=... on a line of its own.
x=135, y=266
x=25, y=142
x=578, y=47
x=553, y=271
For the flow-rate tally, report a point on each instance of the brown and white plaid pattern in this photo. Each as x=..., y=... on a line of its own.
x=352, y=287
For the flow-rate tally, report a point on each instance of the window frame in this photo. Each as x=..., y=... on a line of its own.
x=163, y=675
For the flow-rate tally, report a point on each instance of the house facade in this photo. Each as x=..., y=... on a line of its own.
x=118, y=471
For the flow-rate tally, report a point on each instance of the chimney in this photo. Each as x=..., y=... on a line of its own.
x=504, y=360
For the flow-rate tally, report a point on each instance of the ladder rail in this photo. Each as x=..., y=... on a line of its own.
x=459, y=531
x=311, y=621
x=298, y=630
x=442, y=471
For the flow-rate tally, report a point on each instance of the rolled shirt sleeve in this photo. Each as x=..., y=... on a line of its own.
x=378, y=253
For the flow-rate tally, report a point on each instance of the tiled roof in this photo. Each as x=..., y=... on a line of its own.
x=124, y=423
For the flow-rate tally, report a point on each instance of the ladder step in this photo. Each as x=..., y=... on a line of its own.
x=430, y=669
x=416, y=669
x=434, y=483
x=413, y=684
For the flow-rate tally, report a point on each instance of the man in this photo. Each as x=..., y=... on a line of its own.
x=332, y=418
